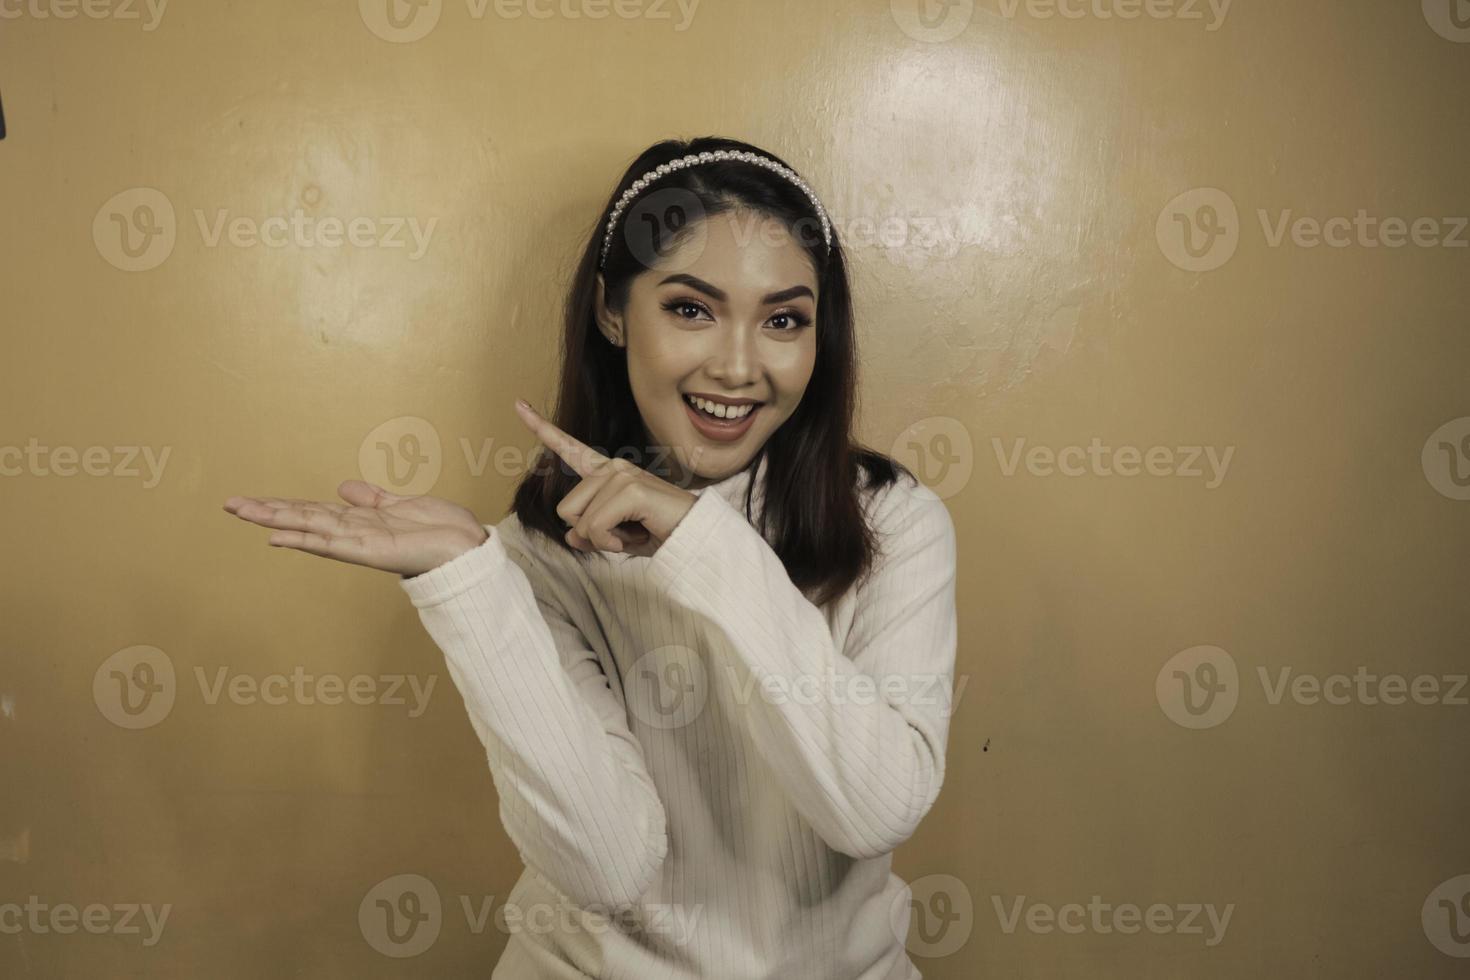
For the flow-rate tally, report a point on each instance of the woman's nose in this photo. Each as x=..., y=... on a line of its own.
x=736, y=362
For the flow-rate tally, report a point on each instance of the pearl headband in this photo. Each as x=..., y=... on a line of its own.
x=665, y=168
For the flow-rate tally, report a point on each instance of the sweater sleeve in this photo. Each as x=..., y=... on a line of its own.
x=856, y=737
x=576, y=798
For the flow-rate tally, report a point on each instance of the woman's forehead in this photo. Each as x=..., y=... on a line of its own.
x=743, y=255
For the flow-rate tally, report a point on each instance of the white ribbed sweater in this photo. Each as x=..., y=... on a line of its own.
x=687, y=745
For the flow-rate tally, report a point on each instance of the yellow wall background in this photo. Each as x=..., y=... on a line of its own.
x=1062, y=229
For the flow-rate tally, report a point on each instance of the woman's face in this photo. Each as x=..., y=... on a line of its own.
x=729, y=316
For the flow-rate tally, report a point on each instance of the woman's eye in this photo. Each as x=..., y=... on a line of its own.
x=788, y=321
x=684, y=309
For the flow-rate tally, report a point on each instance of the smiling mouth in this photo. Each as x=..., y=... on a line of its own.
x=731, y=414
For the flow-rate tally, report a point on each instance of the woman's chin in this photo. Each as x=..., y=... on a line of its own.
x=705, y=475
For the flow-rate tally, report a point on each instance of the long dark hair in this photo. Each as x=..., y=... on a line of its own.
x=812, y=515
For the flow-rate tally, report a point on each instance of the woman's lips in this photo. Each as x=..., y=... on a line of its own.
x=719, y=430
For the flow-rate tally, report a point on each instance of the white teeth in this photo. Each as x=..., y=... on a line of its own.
x=720, y=411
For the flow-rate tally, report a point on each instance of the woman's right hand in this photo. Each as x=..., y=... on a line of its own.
x=407, y=535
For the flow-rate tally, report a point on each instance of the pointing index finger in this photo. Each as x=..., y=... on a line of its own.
x=580, y=457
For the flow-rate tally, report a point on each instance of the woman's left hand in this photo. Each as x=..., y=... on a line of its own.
x=618, y=506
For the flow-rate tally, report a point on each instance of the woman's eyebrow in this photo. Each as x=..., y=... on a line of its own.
x=785, y=294
x=719, y=294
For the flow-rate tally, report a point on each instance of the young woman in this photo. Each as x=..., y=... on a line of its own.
x=713, y=678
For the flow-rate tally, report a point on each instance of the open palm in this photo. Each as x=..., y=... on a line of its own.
x=375, y=528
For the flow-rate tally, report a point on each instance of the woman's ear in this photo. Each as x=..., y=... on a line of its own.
x=611, y=324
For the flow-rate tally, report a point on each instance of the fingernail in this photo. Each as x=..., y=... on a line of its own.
x=521, y=403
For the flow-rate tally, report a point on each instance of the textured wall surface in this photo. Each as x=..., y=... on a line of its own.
x=1167, y=298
